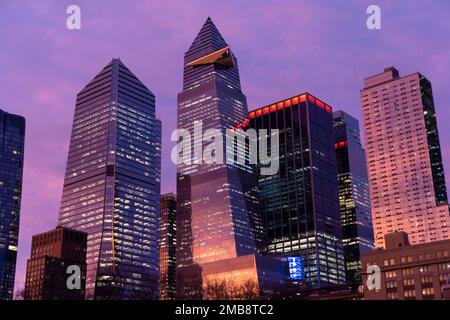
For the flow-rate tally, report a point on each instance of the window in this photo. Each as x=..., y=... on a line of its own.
x=392, y=296
x=444, y=266
x=408, y=271
x=406, y=259
x=423, y=269
x=408, y=282
x=410, y=294
x=390, y=274
x=391, y=284
x=428, y=292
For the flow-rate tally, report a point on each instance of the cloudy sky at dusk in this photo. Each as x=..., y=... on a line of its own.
x=283, y=48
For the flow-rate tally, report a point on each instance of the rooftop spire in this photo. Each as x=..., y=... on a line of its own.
x=208, y=40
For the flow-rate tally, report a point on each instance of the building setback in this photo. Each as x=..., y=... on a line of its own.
x=167, y=247
x=112, y=184
x=408, y=272
x=12, y=137
x=354, y=199
x=52, y=254
x=406, y=175
x=300, y=203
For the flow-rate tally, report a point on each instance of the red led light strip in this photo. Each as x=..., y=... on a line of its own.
x=283, y=105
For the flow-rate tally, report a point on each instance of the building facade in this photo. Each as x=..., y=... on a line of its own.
x=354, y=198
x=409, y=272
x=167, y=247
x=55, y=256
x=12, y=137
x=407, y=183
x=300, y=203
x=112, y=184
x=217, y=216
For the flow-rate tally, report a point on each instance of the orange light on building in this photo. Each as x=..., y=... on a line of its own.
x=251, y=115
x=328, y=108
x=280, y=105
x=311, y=98
x=341, y=144
x=273, y=108
x=246, y=122
x=258, y=112
x=266, y=110
x=302, y=98
x=287, y=103
x=320, y=104
x=295, y=100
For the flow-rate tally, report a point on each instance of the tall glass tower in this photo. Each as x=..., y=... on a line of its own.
x=216, y=204
x=354, y=198
x=300, y=202
x=112, y=184
x=167, y=247
x=12, y=136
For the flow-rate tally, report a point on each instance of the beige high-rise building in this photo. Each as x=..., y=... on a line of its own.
x=406, y=175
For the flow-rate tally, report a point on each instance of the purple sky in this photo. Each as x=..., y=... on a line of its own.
x=283, y=48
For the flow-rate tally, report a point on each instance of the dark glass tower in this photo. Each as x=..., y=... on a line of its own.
x=112, y=184
x=300, y=202
x=216, y=204
x=354, y=198
x=12, y=136
x=167, y=247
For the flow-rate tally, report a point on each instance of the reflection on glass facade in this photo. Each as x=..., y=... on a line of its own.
x=406, y=175
x=354, y=199
x=216, y=204
x=167, y=247
x=112, y=184
x=12, y=136
x=300, y=203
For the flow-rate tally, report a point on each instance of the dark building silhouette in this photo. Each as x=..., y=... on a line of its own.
x=167, y=247
x=12, y=136
x=354, y=198
x=300, y=203
x=53, y=254
x=112, y=184
x=408, y=272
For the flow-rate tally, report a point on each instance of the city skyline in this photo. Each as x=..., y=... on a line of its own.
x=259, y=91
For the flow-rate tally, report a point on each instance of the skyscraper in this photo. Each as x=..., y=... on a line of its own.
x=217, y=216
x=12, y=137
x=53, y=254
x=112, y=184
x=354, y=198
x=167, y=247
x=407, y=183
x=300, y=203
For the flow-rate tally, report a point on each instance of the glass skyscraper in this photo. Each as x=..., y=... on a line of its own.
x=12, y=137
x=300, y=203
x=406, y=175
x=167, y=247
x=217, y=217
x=354, y=198
x=112, y=184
